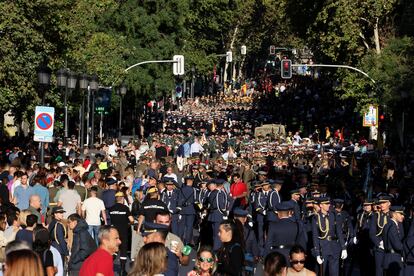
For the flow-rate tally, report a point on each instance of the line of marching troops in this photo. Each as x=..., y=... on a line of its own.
x=375, y=237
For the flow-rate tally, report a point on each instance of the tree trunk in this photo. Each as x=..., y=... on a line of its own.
x=231, y=48
x=376, y=37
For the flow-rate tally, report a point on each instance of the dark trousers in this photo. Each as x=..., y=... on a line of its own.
x=379, y=259
x=186, y=228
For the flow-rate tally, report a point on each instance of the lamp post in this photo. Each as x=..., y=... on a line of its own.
x=122, y=92
x=93, y=87
x=192, y=82
x=61, y=79
x=43, y=78
x=83, y=85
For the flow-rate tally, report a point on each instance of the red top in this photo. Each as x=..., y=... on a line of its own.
x=238, y=189
x=99, y=262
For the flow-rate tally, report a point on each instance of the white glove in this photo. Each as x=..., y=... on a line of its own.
x=381, y=245
x=355, y=240
x=179, y=217
x=344, y=254
x=264, y=213
x=250, y=223
x=319, y=259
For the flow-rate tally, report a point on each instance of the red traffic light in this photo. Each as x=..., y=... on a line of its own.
x=382, y=117
x=286, y=69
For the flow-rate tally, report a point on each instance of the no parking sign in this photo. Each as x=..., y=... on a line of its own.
x=43, y=125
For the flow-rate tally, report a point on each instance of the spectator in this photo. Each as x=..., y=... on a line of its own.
x=205, y=264
x=23, y=216
x=13, y=228
x=82, y=246
x=151, y=260
x=70, y=200
x=22, y=193
x=92, y=209
x=41, y=246
x=3, y=240
x=40, y=190
x=26, y=234
x=35, y=206
x=297, y=262
x=275, y=264
x=230, y=255
x=23, y=262
x=101, y=260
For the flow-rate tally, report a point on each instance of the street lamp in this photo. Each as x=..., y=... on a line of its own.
x=121, y=92
x=61, y=79
x=83, y=85
x=43, y=78
x=93, y=87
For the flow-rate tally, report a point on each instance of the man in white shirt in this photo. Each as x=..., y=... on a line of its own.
x=196, y=148
x=92, y=209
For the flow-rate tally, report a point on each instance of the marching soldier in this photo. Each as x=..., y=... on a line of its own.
x=187, y=200
x=295, y=196
x=286, y=231
x=376, y=229
x=328, y=240
x=392, y=235
x=347, y=227
x=170, y=197
x=261, y=201
x=217, y=202
x=362, y=234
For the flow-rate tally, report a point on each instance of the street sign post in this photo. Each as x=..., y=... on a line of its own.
x=44, y=121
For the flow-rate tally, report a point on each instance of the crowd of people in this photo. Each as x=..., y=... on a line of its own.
x=207, y=186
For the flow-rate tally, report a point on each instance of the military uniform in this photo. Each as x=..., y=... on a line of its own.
x=187, y=198
x=261, y=208
x=393, y=246
x=217, y=202
x=328, y=240
x=285, y=233
x=170, y=198
x=376, y=228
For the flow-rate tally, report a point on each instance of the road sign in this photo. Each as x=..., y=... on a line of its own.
x=229, y=56
x=178, y=65
x=371, y=117
x=44, y=121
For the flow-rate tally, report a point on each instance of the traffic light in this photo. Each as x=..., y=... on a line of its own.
x=286, y=69
x=272, y=49
x=229, y=56
x=178, y=65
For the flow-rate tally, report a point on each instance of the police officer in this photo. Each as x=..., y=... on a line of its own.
x=217, y=202
x=261, y=208
x=285, y=232
x=186, y=202
x=328, y=240
x=347, y=227
x=251, y=249
x=58, y=232
x=121, y=218
x=392, y=235
x=274, y=201
x=376, y=228
x=170, y=197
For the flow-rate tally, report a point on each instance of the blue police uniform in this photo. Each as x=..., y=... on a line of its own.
x=364, y=246
x=328, y=240
x=393, y=247
x=217, y=201
x=187, y=197
x=376, y=228
x=170, y=198
x=285, y=233
x=274, y=201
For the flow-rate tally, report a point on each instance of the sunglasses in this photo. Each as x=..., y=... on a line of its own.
x=298, y=262
x=202, y=260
